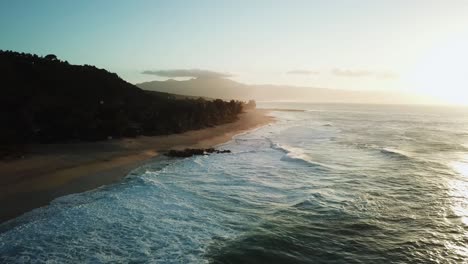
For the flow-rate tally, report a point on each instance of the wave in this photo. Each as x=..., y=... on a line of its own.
x=391, y=152
x=396, y=153
x=315, y=200
x=297, y=155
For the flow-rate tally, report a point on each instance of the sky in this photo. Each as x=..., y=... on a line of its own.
x=409, y=46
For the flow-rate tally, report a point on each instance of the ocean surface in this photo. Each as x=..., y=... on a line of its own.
x=330, y=184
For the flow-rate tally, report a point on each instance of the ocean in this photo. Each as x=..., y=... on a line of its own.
x=332, y=183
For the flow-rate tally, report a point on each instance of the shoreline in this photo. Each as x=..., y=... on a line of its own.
x=51, y=171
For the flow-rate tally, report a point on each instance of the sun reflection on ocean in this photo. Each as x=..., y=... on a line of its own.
x=459, y=196
x=459, y=189
x=461, y=167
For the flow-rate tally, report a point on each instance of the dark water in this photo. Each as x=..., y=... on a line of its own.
x=334, y=184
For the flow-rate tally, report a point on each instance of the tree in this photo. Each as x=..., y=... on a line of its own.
x=51, y=57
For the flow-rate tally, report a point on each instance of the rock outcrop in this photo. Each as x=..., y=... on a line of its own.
x=194, y=152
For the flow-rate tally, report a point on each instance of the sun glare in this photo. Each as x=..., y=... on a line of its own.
x=460, y=189
x=443, y=73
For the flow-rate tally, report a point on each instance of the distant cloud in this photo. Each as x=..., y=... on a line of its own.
x=197, y=73
x=303, y=72
x=350, y=73
x=363, y=73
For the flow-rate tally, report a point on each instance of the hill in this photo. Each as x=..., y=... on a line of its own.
x=225, y=88
x=47, y=100
x=205, y=87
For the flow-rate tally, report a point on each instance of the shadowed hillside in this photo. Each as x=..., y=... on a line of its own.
x=228, y=89
x=206, y=87
x=48, y=100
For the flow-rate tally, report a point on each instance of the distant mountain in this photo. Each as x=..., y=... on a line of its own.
x=228, y=89
x=44, y=99
x=203, y=87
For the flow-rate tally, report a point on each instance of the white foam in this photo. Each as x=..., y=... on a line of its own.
x=296, y=154
x=397, y=152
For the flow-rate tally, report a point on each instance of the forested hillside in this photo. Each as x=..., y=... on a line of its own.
x=48, y=100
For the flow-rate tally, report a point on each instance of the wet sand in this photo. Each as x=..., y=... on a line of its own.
x=50, y=171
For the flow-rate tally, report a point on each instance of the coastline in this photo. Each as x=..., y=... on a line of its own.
x=51, y=171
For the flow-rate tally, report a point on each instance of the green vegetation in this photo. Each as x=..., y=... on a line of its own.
x=46, y=100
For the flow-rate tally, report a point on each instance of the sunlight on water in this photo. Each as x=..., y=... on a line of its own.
x=459, y=194
x=460, y=189
x=461, y=167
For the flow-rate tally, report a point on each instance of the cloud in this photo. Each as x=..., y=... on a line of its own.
x=197, y=73
x=350, y=73
x=303, y=72
x=363, y=73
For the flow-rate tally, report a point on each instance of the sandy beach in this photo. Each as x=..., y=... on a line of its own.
x=50, y=171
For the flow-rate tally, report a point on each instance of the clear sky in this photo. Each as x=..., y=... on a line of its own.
x=416, y=46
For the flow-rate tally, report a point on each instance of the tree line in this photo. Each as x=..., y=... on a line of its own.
x=46, y=100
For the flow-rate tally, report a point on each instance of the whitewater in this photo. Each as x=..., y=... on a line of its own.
x=332, y=183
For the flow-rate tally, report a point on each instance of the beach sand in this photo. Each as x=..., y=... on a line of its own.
x=49, y=171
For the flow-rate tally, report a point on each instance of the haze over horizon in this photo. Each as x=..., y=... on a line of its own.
x=398, y=46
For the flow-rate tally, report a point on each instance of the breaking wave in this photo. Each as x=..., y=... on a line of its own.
x=396, y=153
x=298, y=155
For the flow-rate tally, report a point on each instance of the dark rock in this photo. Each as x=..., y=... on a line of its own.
x=210, y=150
x=194, y=152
